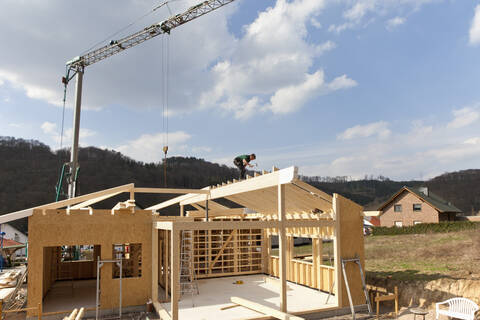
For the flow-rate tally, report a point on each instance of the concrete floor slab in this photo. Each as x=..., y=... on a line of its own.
x=68, y=295
x=215, y=294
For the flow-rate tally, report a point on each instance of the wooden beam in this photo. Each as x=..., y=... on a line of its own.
x=282, y=248
x=221, y=225
x=155, y=261
x=218, y=213
x=217, y=225
x=264, y=309
x=92, y=201
x=175, y=273
x=219, y=254
x=337, y=253
x=161, y=312
x=60, y=204
x=173, y=201
x=170, y=190
x=265, y=181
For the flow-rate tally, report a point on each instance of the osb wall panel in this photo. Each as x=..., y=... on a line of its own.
x=351, y=245
x=56, y=229
x=50, y=265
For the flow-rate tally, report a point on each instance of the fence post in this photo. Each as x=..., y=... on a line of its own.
x=40, y=311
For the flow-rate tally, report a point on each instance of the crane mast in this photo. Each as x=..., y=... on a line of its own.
x=76, y=68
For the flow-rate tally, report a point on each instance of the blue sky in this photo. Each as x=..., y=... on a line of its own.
x=338, y=87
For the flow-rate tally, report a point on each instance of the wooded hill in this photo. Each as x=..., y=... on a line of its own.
x=29, y=171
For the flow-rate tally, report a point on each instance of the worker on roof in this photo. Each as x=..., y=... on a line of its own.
x=242, y=161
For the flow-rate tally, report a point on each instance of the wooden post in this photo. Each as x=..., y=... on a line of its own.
x=39, y=311
x=378, y=304
x=282, y=248
x=166, y=263
x=396, y=300
x=175, y=273
x=337, y=252
x=154, y=263
x=1, y=309
x=182, y=211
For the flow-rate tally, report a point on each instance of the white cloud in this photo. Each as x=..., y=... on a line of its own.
x=270, y=67
x=473, y=141
x=149, y=147
x=31, y=89
x=362, y=12
x=464, y=117
x=379, y=129
x=50, y=129
x=474, y=34
x=324, y=47
x=340, y=28
x=315, y=23
x=395, y=22
x=289, y=99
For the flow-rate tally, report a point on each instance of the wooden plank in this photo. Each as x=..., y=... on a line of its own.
x=173, y=201
x=264, y=309
x=268, y=180
x=220, y=225
x=167, y=263
x=338, y=283
x=163, y=225
x=220, y=252
x=175, y=273
x=60, y=204
x=282, y=248
x=155, y=262
x=92, y=201
x=161, y=312
x=170, y=190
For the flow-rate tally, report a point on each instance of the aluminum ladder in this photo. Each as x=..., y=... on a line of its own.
x=188, y=279
x=357, y=261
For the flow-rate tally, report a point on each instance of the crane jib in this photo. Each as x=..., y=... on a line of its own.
x=116, y=46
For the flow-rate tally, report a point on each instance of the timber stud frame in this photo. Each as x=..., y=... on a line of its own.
x=273, y=203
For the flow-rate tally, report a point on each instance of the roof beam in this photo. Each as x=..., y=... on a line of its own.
x=173, y=201
x=60, y=204
x=170, y=190
x=261, y=182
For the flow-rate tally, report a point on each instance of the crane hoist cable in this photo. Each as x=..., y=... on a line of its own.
x=165, y=91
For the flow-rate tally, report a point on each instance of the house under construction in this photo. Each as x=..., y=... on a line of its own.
x=213, y=262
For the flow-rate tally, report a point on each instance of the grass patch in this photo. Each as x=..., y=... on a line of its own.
x=424, y=256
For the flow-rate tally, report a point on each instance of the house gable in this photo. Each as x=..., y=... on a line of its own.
x=407, y=216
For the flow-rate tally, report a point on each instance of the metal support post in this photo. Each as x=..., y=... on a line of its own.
x=100, y=264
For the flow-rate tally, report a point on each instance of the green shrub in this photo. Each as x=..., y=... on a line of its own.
x=441, y=227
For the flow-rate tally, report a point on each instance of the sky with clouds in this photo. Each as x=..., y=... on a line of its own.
x=335, y=87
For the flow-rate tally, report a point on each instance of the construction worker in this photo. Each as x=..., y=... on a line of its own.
x=242, y=161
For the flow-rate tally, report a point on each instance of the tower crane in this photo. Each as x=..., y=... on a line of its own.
x=76, y=68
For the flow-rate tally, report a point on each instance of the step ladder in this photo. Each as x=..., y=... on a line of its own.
x=356, y=261
x=188, y=279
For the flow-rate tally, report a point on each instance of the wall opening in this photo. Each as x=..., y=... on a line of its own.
x=69, y=275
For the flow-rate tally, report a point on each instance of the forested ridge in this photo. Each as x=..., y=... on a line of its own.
x=29, y=171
